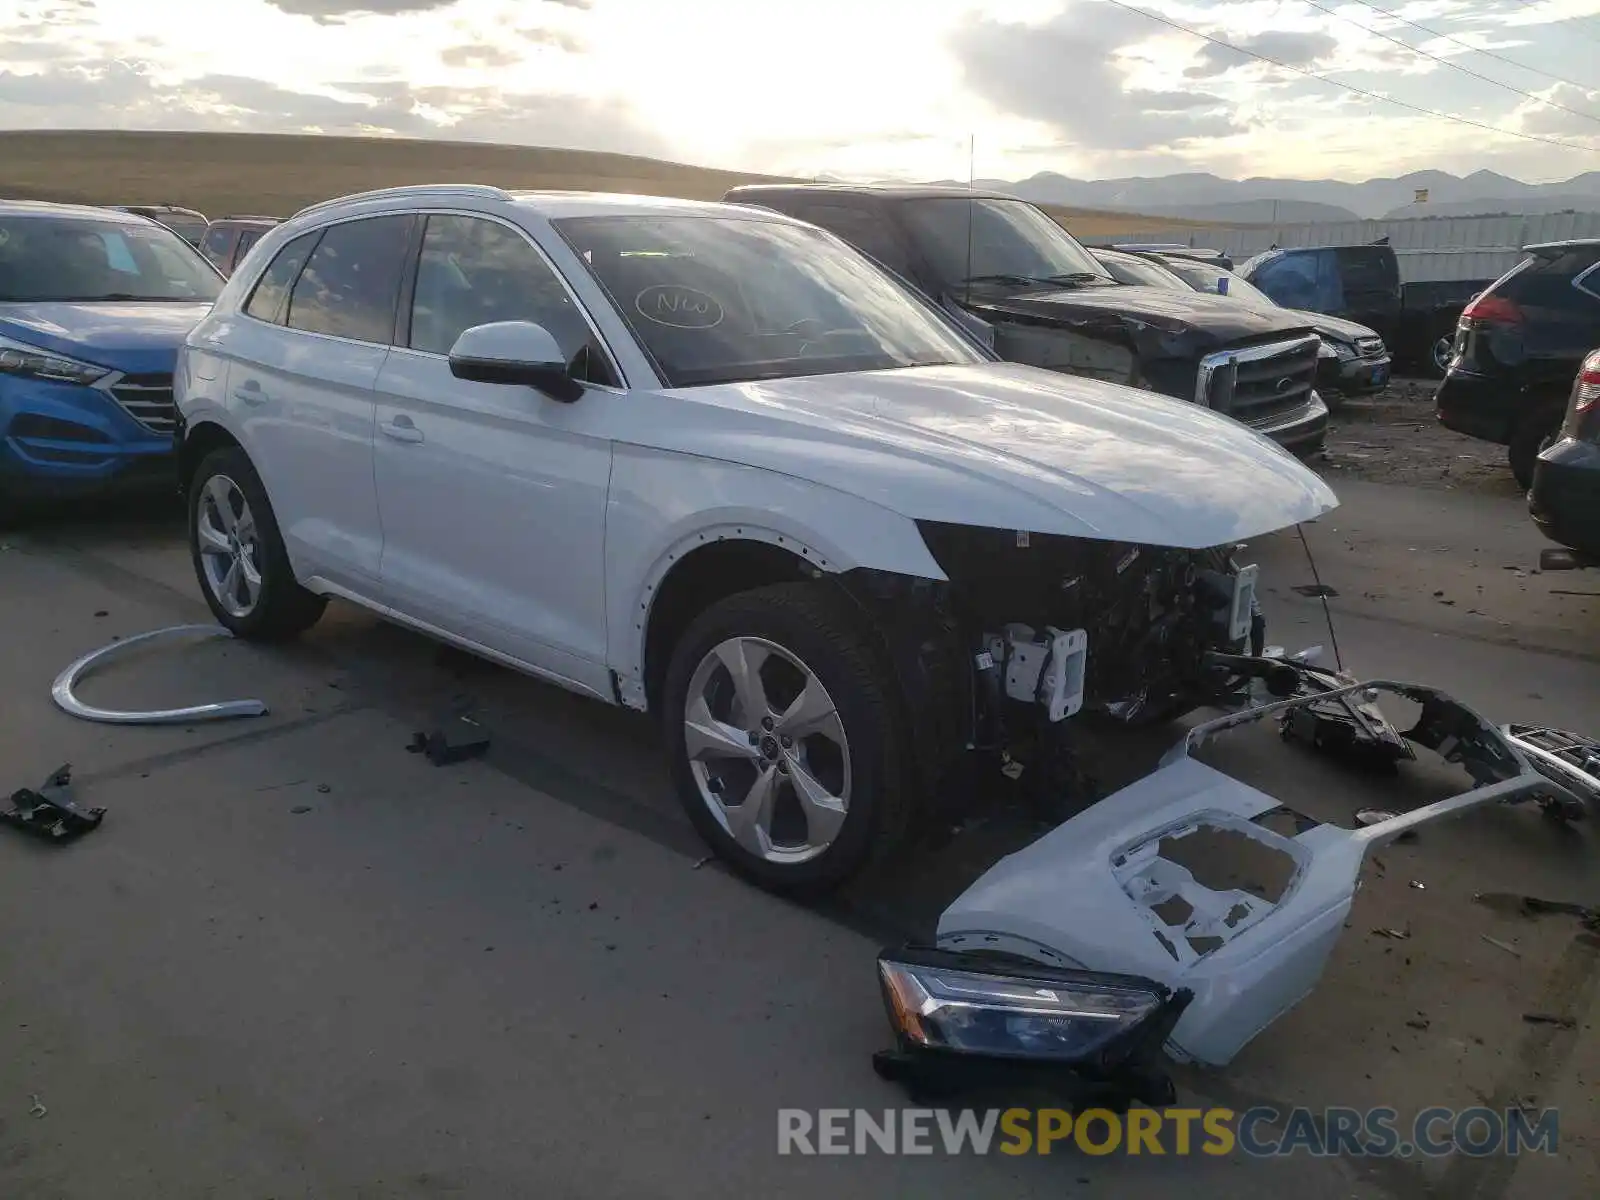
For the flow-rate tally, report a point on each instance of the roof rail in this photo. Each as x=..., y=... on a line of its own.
x=482, y=191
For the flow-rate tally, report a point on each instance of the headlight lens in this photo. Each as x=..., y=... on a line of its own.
x=1008, y=1014
x=1326, y=350
x=30, y=362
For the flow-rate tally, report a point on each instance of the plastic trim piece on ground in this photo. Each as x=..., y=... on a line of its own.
x=62, y=690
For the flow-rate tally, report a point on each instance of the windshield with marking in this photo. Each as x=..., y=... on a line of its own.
x=727, y=300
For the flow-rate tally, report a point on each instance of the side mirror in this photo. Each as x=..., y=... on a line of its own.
x=518, y=352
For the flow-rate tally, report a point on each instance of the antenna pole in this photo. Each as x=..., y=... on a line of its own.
x=972, y=154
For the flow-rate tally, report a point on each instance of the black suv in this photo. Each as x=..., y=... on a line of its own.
x=1021, y=282
x=1518, y=346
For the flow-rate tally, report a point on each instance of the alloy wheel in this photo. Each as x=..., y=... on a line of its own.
x=767, y=750
x=229, y=546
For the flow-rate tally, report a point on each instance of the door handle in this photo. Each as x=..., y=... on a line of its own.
x=250, y=392
x=402, y=430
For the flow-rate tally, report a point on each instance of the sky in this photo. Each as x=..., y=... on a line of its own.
x=848, y=88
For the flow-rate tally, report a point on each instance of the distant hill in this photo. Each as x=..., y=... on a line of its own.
x=1256, y=212
x=219, y=173
x=1202, y=196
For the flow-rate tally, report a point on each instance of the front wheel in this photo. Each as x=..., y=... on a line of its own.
x=238, y=553
x=785, y=737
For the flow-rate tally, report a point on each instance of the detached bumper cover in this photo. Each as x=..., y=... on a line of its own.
x=1206, y=885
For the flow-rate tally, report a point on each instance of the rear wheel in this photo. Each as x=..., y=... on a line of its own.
x=238, y=553
x=1440, y=354
x=785, y=737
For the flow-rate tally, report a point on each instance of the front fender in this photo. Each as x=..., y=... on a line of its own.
x=663, y=506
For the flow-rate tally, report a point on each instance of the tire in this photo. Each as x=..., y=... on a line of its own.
x=809, y=629
x=1439, y=354
x=281, y=608
x=1536, y=431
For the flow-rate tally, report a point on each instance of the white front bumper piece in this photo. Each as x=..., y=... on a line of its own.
x=1204, y=884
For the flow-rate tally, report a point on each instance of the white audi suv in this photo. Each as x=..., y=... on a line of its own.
x=711, y=462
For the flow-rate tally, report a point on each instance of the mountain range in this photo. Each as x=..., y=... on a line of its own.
x=1203, y=196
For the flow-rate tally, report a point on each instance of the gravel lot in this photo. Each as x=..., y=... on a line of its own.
x=299, y=962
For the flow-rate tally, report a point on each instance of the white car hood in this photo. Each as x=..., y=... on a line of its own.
x=1009, y=446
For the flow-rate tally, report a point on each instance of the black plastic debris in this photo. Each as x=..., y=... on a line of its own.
x=51, y=812
x=456, y=741
x=1539, y=1018
x=1514, y=904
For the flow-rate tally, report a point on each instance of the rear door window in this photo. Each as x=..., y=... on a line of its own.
x=351, y=283
x=271, y=296
x=1369, y=269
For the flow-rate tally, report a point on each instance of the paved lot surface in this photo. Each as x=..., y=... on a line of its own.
x=299, y=962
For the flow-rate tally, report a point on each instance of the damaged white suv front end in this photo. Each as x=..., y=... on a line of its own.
x=1210, y=902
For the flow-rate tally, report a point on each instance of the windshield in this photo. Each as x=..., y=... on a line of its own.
x=724, y=300
x=1206, y=279
x=1125, y=268
x=190, y=229
x=1011, y=242
x=81, y=259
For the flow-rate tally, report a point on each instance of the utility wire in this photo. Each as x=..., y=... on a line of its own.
x=1350, y=87
x=1587, y=87
x=1445, y=62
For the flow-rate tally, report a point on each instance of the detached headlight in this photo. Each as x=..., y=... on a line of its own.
x=30, y=362
x=944, y=1001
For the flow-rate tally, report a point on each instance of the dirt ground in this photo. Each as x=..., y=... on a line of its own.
x=1394, y=438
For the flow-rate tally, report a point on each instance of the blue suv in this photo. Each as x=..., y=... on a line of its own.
x=93, y=307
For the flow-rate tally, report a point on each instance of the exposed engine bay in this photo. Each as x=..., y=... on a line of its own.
x=1130, y=631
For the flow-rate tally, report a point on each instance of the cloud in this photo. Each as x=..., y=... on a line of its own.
x=1293, y=49
x=1065, y=74
x=477, y=56
x=1542, y=119
x=126, y=95
x=328, y=11
x=559, y=38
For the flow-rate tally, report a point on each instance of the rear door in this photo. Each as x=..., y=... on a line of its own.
x=1369, y=285
x=308, y=348
x=1558, y=294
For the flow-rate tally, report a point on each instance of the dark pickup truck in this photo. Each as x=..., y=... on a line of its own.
x=1016, y=278
x=1362, y=283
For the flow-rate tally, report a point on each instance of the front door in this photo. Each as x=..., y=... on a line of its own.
x=493, y=496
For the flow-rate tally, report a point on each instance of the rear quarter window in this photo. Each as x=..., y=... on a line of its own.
x=1557, y=281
